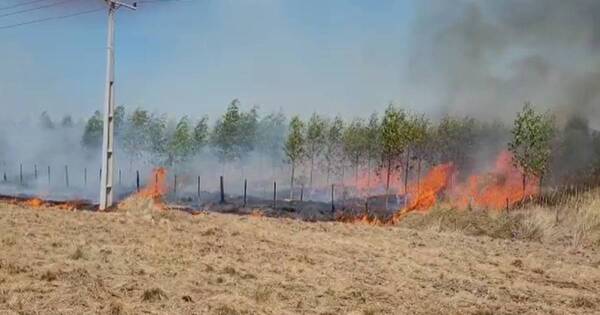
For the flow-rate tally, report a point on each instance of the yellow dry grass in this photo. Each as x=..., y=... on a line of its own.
x=140, y=259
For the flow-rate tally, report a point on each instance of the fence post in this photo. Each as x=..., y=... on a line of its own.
x=119, y=177
x=67, y=175
x=137, y=180
x=332, y=198
x=35, y=171
x=175, y=186
x=5, y=179
x=85, y=176
x=49, y=181
x=245, y=189
x=222, y=190
x=21, y=174
x=302, y=193
x=198, y=187
x=274, y=194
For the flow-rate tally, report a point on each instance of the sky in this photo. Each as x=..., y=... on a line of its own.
x=194, y=57
x=466, y=57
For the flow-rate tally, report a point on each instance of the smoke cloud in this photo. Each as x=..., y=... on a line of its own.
x=485, y=58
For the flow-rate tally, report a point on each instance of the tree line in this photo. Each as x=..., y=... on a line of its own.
x=396, y=141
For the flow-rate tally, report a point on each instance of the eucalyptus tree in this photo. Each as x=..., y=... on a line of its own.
x=294, y=148
x=315, y=141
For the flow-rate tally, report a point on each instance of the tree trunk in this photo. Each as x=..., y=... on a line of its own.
x=419, y=177
x=292, y=181
x=524, y=184
x=368, y=177
x=406, y=165
x=312, y=162
x=387, y=183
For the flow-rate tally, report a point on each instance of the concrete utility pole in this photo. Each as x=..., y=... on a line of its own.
x=106, y=180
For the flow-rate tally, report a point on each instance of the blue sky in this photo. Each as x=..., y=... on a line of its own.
x=193, y=57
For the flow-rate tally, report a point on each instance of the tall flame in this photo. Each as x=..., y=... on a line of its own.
x=157, y=185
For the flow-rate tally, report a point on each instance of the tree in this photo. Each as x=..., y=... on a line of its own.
x=373, y=145
x=455, y=139
x=181, y=144
x=46, y=121
x=422, y=144
x=574, y=152
x=92, y=133
x=333, y=153
x=135, y=135
x=158, y=139
x=67, y=122
x=315, y=139
x=271, y=135
x=119, y=119
x=294, y=148
x=225, y=135
x=246, y=134
x=200, y=135
x=393, y=142
x=355, y=144
x=531, y=142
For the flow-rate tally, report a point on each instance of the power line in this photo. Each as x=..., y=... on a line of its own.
x=50, y=18
x=21, y=4
x=36, y=8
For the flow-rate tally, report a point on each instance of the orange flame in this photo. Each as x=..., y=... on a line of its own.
x=157, y=185
x=34, y=203
x=423, y=195
x=502, y=187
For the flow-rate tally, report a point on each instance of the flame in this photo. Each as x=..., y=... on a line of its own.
x=425, y=193
x=375, y=182
x=500, y=188
x=34, y=203
x=157, y=185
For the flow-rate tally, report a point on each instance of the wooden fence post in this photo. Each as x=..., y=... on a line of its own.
x=49, y=181
x=245, y=190
x=67, y=175
x=222, y=190
x=137, y=180
x=302, y=193
x=119, y=177
x=274, y=194
x=35, y=172
x=332, y=198
x=85, y=176
x=175, y=186
x=21, y=174
x=198, y=193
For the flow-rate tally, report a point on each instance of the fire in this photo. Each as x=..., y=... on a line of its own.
x=500, y=188
x=372, y=182
x=34, y=203
x=425, y=193
x=157, y=185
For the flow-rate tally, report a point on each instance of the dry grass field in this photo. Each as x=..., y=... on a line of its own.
x=141, y=260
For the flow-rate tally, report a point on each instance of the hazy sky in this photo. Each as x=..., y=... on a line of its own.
x=195, y=56
x=351, y=57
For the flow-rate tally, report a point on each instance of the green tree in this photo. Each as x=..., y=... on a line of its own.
x=315, y=140
x=294, y=148
x=355, y=144
x=226, y=133
x=200, y=135
x=92, y=133
x=333, y=153
x=181, y=144
x=455, y=139
x=373, y=145
x=422, y=144
x=119, y=119
x=135, y=135
x=158, y=139
x=532, y=134
x=271, y=133
x=393, y=142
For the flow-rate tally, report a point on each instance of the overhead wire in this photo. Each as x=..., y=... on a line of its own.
x=36, y=8
x=20, y=4
x=59, y=17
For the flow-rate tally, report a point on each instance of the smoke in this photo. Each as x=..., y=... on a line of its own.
x=485, y=58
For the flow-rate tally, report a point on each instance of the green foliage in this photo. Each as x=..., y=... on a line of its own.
x=181, y=144
x=531, y=141
x=315, y=140
x=92, y=134
x=455, y=139
x=355, y=141
x=294, y=146
x=233, y=134
x=271, y=136
x=158, y=141
x=333, y=153
x=136, y=137
x=200, y=135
